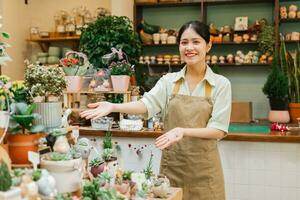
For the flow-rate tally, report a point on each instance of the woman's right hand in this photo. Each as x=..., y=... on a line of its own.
x=97, y=110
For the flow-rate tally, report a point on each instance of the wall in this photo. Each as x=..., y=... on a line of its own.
x=19, y=17
x=252, y=170
x=122, y=8
x=12, y=12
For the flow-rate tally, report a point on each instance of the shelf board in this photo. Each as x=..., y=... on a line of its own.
x=235, y=1
x=159, y=45
x=219, y=64
x=243, y=65
x=234, y=43
x=97, y=92
x=53, y=39
x=174, y=4
x=295, y=20
x=216, y=43
x=162, y=65
x=292, y=41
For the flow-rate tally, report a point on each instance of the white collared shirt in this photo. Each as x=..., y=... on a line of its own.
x=157, y=98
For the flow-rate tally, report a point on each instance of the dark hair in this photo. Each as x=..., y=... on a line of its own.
x=199, y=27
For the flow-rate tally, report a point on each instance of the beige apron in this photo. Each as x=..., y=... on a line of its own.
x=192, y=163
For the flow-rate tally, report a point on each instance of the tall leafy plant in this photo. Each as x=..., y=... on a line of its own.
x=290, y=66
x=106, y=32
x=276, y=87
x=266, y=39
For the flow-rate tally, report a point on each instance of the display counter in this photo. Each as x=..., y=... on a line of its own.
x=273, y=136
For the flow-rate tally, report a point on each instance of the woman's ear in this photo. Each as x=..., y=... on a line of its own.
x=208, y=46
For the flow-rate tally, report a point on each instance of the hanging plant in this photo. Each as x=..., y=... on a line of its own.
x=266, y=40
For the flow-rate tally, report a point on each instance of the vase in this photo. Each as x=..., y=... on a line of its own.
x=294, y=109
x=280, y=116
x=120, y=82
x=51, y=113
x=19, y=145
x=74, y=83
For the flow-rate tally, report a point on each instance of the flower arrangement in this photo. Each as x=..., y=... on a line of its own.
x=5, y=94
x=121, y=66
x=75, y=63
x=45, y=81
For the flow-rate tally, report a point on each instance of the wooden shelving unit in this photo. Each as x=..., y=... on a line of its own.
x=215, y=43
x=296, y=20
x=219, y=64
x=45, y=42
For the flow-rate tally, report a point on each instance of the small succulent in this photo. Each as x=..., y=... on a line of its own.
x=108, y=154
x=104, y=177
x=127, y=175
x=96, y=162
x=36, y=175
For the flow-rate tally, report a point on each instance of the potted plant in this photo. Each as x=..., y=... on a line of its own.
x=6, y=192
x=75, y=65
x=106, y=32
x=4, y=57
x=23, y=135
x=121, y=70
x=266, y=39
x=46, y=82
x=20, y=91
x=290, y=65
x=66, y=168
x=97, y=166
x=276, y=89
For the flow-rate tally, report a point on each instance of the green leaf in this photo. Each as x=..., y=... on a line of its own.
x=5, y=35
x=21, y=108
x=37, y=128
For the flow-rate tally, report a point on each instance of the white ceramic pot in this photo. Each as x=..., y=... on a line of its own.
x=67, y=174
x=51, y=113
x=163, y=38
x=280, y=116
x=12, y=194
x=156, y=38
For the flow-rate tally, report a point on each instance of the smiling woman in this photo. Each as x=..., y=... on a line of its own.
x=196, y=105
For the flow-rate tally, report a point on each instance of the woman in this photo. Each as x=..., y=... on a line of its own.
x=196, y=106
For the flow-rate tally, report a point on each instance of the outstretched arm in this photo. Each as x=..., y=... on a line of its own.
x=101, y=109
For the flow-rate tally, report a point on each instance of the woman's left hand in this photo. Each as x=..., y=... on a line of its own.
x=169, y=138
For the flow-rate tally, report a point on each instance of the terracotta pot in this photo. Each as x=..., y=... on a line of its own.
x=74, y=83
x=98, y=170
x=120, y=83
x=294, y=109
x=20, y=144
x=280, y=116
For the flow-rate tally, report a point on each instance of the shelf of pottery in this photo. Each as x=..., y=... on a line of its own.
x=290, y=13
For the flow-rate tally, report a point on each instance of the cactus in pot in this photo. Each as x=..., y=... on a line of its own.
x=5, y=177
x=97, y=166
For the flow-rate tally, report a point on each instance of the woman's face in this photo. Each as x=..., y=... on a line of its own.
x=193, y=47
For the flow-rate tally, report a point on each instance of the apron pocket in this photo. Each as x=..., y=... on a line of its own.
x=198, y=193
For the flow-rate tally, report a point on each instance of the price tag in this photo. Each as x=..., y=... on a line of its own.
x=34, y=158
x=75, y=133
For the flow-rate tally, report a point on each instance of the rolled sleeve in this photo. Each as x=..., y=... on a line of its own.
x=221, y=108
x=155, y=99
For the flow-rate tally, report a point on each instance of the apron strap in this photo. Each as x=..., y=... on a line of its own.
x=207, y=86
x=208, y=89
x=177, y=87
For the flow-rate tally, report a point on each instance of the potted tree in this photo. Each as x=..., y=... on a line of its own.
x=75, y=65
x=46, y=84
x=276, y=89
x=23, y=135
x=290, y=65
x=106, y=32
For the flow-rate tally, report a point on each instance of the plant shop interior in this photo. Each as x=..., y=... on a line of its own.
x=90, y=108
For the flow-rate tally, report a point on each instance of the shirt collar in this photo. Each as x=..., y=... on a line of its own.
x=209, y=75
